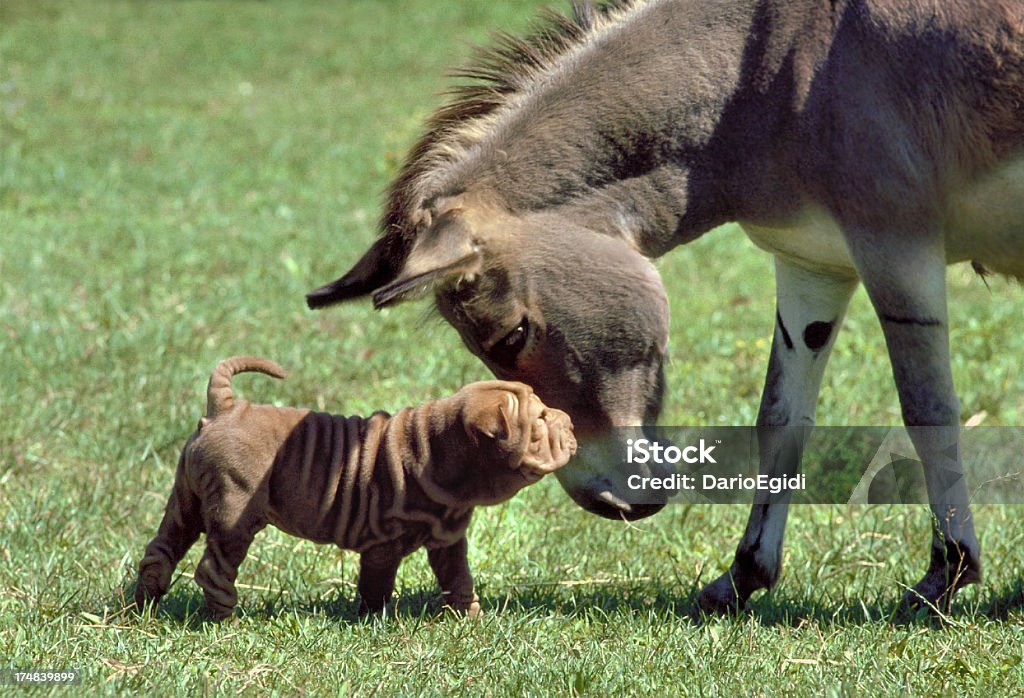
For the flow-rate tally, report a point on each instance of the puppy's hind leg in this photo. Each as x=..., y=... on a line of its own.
x=232, y=522
x=179, y=529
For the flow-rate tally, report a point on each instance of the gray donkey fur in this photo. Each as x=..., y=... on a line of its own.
x=857, y=141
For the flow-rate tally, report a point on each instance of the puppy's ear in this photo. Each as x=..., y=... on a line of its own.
x=445, y=252
x=501, y=426
x=491, y=421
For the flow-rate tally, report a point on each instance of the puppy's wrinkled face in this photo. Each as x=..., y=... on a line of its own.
x=552, y=442
x=527, y=436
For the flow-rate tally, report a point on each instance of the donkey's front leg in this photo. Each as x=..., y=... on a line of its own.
x=906, y=281
x=810, y=309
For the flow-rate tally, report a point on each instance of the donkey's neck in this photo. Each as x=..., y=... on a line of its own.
x=629, y=138
x=654, y=211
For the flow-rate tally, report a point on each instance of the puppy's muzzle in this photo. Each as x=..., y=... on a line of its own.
x=551, y=439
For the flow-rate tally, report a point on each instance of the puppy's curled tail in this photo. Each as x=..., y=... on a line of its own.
x=219, y=398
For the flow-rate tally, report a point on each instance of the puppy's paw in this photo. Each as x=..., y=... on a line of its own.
x=470, y=610
x=146, y=600
x=370, y=611
x=217, y=615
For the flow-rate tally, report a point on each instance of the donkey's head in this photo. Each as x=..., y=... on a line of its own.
x=580, y=316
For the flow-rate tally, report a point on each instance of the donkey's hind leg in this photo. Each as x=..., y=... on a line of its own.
x=905, y=277
x=810, y=308
x=179, y=529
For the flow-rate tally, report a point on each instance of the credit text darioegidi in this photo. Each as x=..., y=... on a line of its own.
x=679, y=482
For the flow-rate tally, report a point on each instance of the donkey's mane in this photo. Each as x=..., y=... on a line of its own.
x=497, y=75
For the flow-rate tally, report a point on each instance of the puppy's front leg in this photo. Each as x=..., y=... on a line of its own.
x=377, y=569
x=451, y=566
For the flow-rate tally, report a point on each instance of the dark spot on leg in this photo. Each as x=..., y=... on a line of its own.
x=785, y=333
x=772, y=412
x=748, y=574
x=921, y=322
x=757, y=542
x=816, y=335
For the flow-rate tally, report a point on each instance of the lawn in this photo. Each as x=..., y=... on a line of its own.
x=174, y=176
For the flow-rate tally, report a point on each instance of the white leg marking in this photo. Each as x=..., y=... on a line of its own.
x=810, y=308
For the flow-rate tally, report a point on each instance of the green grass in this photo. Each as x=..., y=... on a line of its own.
x=174, y=176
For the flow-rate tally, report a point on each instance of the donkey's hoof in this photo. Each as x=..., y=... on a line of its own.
x=719, y=598
x=935, y=593
x=926, y=595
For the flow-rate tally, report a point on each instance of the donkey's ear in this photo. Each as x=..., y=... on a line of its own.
x=446, y=251
x=378, y=266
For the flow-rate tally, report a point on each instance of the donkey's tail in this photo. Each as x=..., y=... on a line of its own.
x=219, y=398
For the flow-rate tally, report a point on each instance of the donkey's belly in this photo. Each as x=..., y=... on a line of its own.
x=985, y=224
x=812, y=240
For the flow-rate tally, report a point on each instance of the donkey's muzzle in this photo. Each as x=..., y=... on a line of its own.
x=607, y=504
x=600, y=480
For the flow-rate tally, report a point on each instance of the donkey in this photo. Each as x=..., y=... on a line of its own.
x=857, y=141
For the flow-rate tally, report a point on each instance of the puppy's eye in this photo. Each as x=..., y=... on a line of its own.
x=506, y=349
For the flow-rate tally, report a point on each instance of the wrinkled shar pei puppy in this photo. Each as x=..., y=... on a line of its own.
x=381, y=485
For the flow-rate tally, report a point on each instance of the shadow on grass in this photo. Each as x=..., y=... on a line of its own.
x=184, y=605
x=1002, y=602
x=999, y=603
x=181, y=604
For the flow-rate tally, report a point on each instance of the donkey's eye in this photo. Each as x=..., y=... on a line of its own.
x=506, y=349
